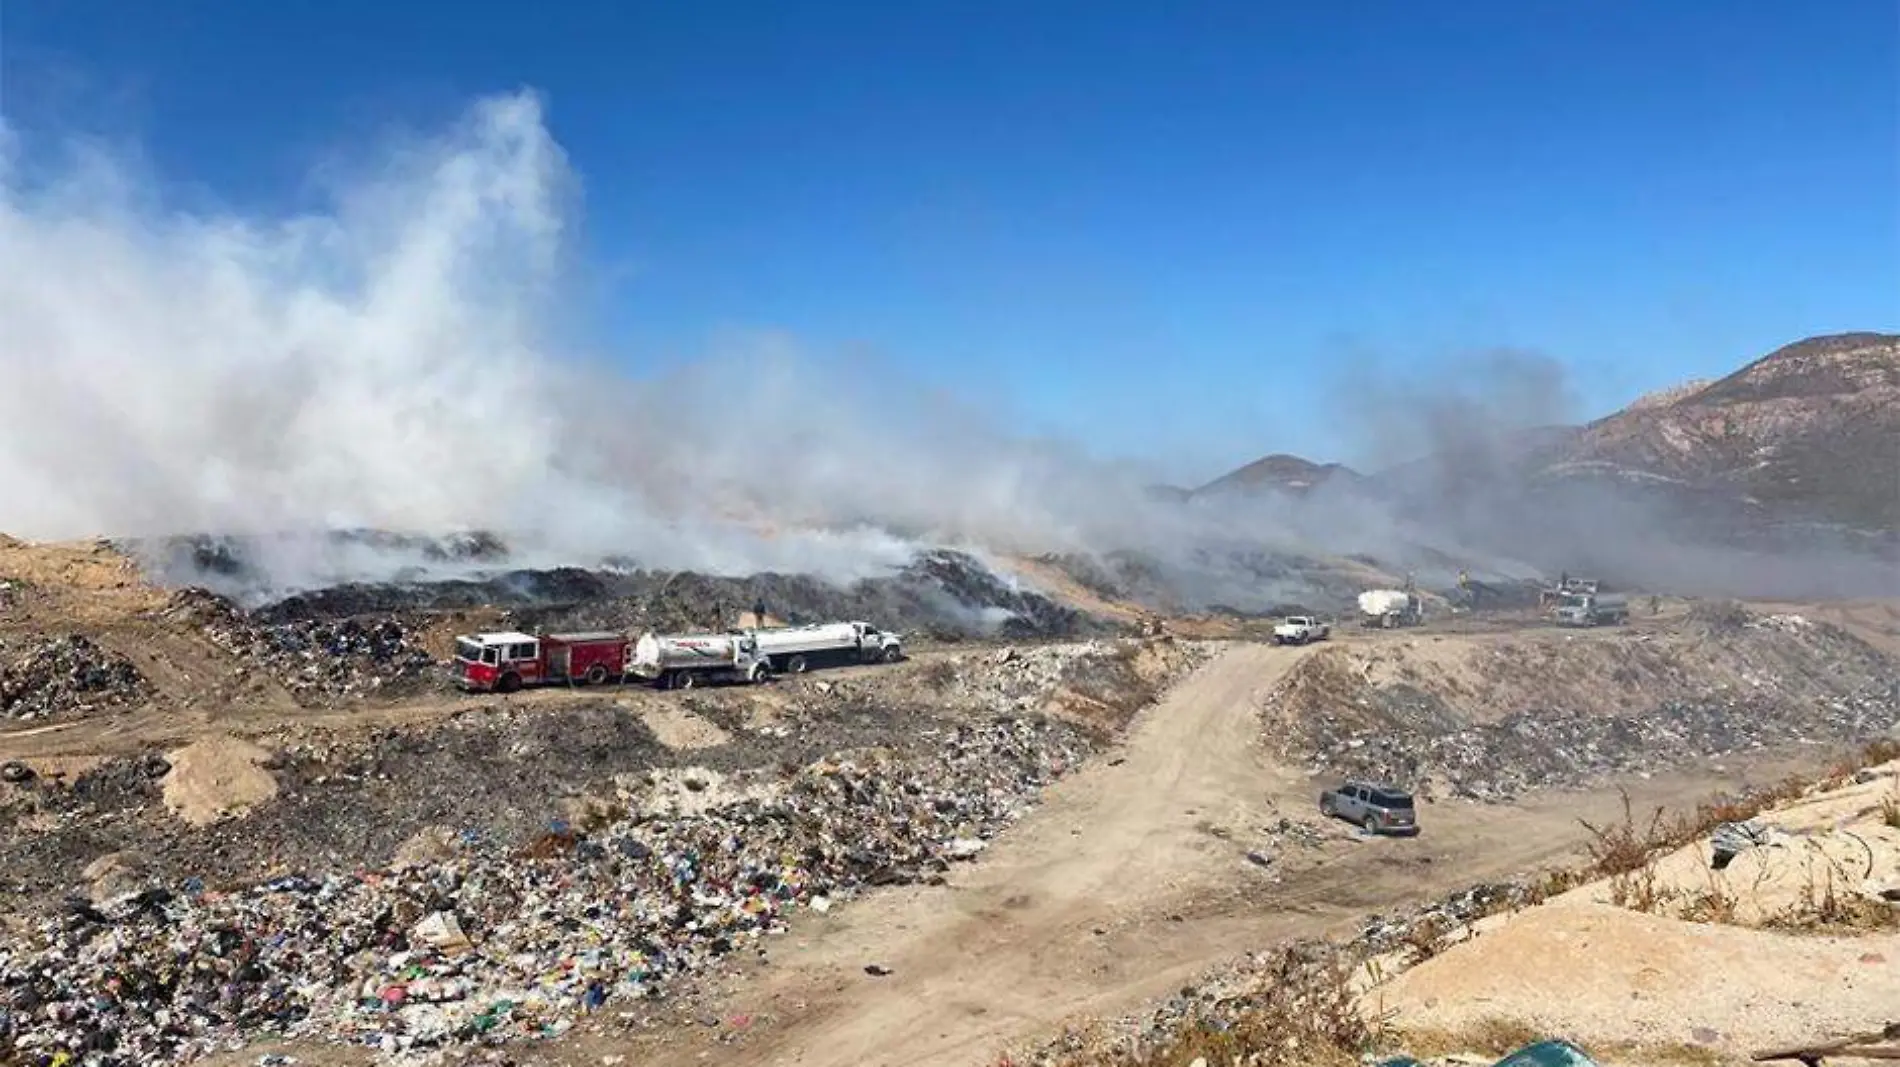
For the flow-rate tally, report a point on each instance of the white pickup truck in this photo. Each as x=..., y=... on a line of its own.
x=1300, y=629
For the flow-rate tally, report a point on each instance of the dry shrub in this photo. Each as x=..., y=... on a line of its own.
x=1622, y=847
x=1624, y=853
x=1427, y=938
x=1553, y=883
x=1890, y=809
x=1828, y=904
x=1885, y=750
x=1713, y=904
x=1299, y=1010
x=938, y=674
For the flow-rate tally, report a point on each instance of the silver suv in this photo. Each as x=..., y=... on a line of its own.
x=1378, y=808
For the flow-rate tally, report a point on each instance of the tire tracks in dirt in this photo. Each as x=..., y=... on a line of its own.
x=1113, y=893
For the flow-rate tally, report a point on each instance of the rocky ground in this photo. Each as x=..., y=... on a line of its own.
x=310, y=882
x=1494, y=718
x=243, y=823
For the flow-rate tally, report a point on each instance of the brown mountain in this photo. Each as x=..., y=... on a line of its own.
x=1287, y=474
x=1809, y=432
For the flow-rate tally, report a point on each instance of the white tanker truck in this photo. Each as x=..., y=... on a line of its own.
x=794, y=649
x=682, y=661
x=1388, y=608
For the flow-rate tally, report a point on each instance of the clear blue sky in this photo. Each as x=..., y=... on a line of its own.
x=1058, y=200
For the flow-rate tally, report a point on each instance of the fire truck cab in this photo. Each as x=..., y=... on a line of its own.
x=503, y=662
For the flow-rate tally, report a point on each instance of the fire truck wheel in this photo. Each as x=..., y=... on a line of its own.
x=596, y=675
x=508, y=683
x=795, y=665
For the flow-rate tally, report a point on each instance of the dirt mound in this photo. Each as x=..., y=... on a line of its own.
x=88, y=582
x=43, y=677
x=217, y=778
x=1490, y=717
x=1671, y=948
x=1605, y=975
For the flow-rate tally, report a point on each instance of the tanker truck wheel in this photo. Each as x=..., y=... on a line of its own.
x=685, y=679
x=795, y=665
x=893, y=654
x=596, y=675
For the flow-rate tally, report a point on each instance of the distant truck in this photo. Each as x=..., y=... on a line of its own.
x=1390, y=608
x=506, y=661
x=1593, y=609
x=796, y=649
x=1300, y=629
x=685, y=660
x=1377, y=807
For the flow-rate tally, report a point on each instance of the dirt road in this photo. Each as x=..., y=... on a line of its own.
x=1130, y=879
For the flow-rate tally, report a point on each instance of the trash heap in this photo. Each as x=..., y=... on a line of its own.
x=483, y=943
x=49, y=676
x=1541, y=749
x=313, y=657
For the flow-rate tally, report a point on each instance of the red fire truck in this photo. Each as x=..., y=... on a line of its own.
x=505, y=662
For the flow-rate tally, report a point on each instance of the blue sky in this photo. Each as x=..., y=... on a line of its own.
x=1154, y=229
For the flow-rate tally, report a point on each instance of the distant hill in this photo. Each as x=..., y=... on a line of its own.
x=1282, y=472
x=1809, y=433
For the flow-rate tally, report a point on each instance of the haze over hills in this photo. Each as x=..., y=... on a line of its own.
x=1808, y=434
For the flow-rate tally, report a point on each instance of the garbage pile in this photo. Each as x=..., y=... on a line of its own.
x=1575, y=710
x=315, y=658
x=1533, y=750
x=489, y=943
x=49, y=676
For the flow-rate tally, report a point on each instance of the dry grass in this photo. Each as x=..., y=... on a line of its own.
x=938, y=675
x=1625, y=853
x=1621, y=848
x=1828, y=904
x=1299, y=1010
x=1890, y=808
x=1713, y=904
x=1427, y=938
x=1489, y=1036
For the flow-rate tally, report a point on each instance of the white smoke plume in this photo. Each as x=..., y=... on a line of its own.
x=401, y=360
x=393, y=362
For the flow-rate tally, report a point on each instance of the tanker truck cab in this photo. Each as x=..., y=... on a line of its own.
x=877, y=646
x=499, y=662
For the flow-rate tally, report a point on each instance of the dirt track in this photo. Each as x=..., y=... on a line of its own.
x=1128, y=881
